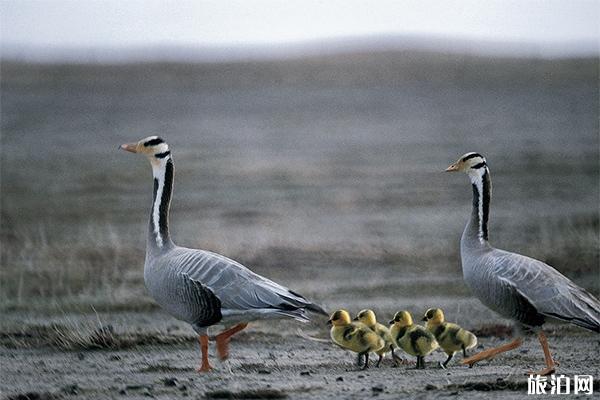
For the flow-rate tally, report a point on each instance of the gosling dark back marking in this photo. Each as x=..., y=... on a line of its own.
x=414, y=338
x=347, y=332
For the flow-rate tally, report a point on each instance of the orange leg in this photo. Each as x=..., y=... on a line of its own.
x=550, y=363
x=223, y=340
x=205, y=366
x=484, y=355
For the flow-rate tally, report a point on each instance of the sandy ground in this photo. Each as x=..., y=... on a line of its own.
x=268, y=360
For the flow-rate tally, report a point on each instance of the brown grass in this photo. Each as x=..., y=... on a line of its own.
x=85, y=335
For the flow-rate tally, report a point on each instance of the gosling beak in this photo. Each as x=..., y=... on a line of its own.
x=391, y=322
x=328, y=322
x=355, y=319
x=452, y=168
x=130, y=147
x=424, y=319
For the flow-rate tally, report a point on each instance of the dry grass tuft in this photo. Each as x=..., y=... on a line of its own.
x=39, y=271
x=85, y=335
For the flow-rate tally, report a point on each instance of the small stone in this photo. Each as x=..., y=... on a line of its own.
x=71, y=389
x=429, y=386
x=455, y=393
x=123, y=392
x=305, y=373
x=138, y=387
x=264, y=371
x=170, y=382
x=378, y=388
x=339, y=379
x=183, y=388
x=360, y=376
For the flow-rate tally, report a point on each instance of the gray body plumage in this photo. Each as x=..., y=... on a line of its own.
x=201, y=287
x=518, y=287
x=204, y=288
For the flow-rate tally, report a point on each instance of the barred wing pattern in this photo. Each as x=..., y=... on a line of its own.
x=239, y=291
x=547, y=290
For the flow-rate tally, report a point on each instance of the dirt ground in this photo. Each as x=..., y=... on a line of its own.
x=267, y=361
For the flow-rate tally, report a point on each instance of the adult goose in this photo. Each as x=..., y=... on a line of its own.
x=523, y=289
x=200, y=287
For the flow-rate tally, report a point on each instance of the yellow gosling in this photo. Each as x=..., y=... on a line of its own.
x=451, y=337
x=354, y=336
x=368, y=318
x=414, y=339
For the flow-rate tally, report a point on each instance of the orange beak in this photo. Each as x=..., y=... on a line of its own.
x=452, y=168
x=130, y=147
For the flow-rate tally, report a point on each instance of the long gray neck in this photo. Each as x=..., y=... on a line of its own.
x=159, y=239
x=476, y=231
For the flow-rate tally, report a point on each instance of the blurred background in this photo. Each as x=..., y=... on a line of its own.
x=308, y=138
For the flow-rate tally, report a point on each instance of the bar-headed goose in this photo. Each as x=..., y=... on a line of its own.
x=200, y=287
x=523, y=289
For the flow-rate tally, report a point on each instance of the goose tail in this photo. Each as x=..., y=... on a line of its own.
x=315, y=308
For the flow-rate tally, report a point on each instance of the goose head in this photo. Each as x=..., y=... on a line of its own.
x=469, y=163
x=339, y=318
x=402, y=318
x=434, y=315
x=153, y=147
x=367, y=317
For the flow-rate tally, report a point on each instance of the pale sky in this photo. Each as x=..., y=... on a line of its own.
x=125, y=23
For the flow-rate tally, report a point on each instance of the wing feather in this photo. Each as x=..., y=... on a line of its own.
x=551, y=293
x=236, y=287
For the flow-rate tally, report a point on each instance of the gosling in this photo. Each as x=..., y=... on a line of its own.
x=368, y=318
x=354, y=336
x=416, y=340
x=451, y=337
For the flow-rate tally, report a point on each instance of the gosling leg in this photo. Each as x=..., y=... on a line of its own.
x=420, y=364
x=395, y=357
x=445, y=363
x=359, y=360
x=366, y=361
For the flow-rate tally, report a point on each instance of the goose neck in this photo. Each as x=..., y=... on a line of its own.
x=476, y=230
x=158, y=230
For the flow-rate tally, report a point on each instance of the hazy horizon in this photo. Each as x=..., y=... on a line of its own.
x=105, y=31
x=295, y=50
